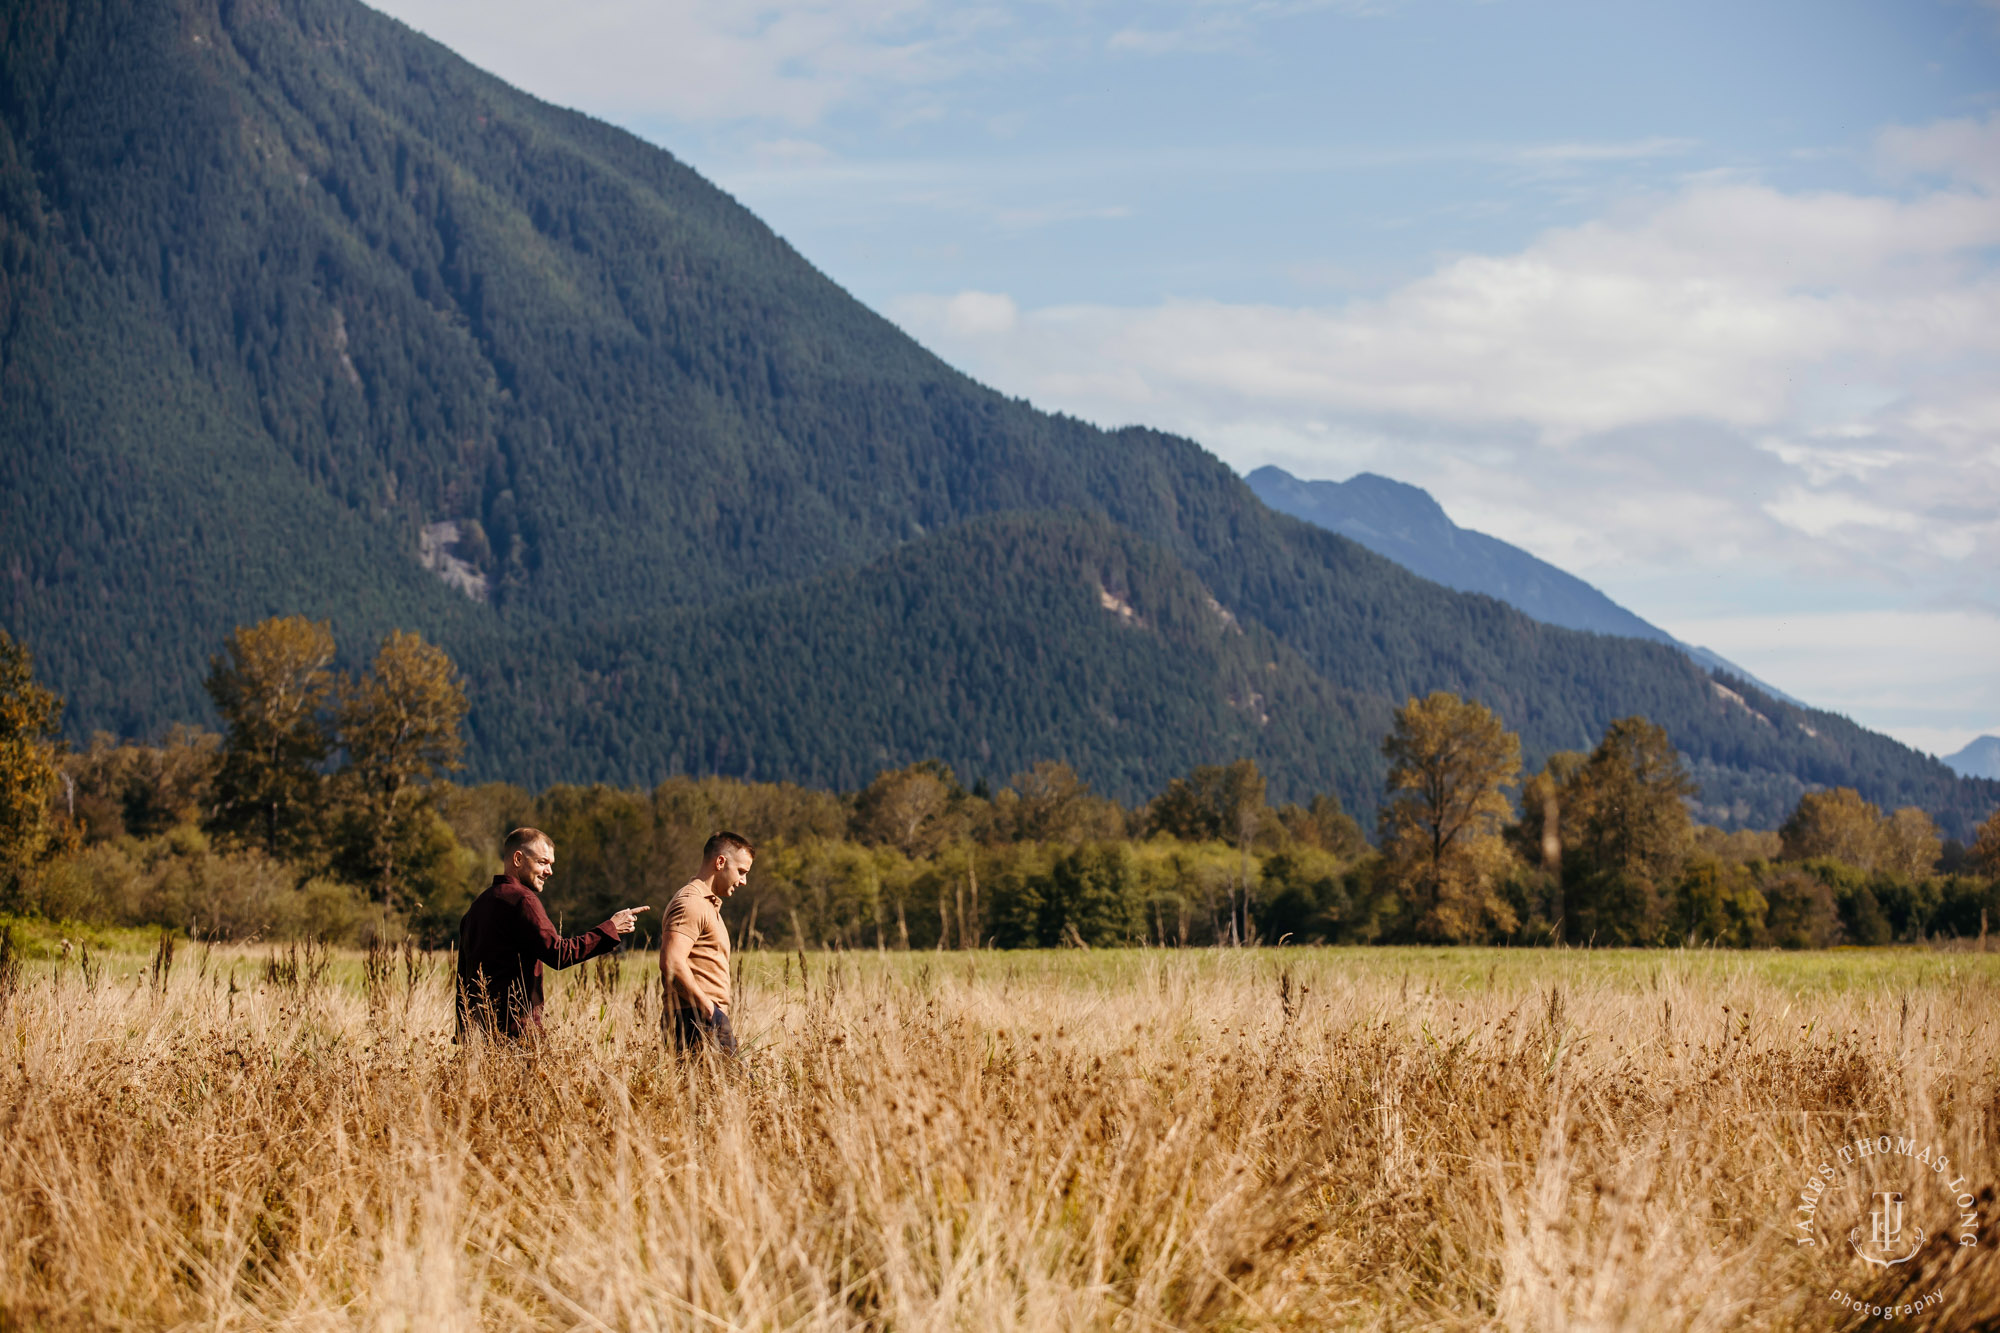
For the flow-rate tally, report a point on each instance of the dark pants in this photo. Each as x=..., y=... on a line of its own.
x=686, y=1031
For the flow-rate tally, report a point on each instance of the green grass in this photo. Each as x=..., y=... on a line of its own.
x=37, y=940
x=1461, y=969
x=127, y=952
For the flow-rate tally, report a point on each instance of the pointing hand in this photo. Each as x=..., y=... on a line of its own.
x=626, y=919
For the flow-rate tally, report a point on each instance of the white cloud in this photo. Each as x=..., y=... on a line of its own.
x=1724, y=305
x=1914, y=674
x=791, y=62
x=1635, y=150
x=787, y=63
x=978, y=314
x=1962, y=150
x=1019, y=219
x=789, y=152
x=1214, y=25
x=1733, y=383
x=1846, y=346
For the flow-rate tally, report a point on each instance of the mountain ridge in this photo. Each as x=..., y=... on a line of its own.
x=1980, y=758
x=1404, y=522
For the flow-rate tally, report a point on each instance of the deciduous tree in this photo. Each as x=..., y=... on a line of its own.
x=1450, y=763
x=271, y=683
x=1050, y=803
x=1219, y=803
x=1549, y=821
x=1910, y=843
x=1984, y=854
x=909, y=809
x=29, y=753
x=1837, y=824
x=119, y=788
x=1213, y=803
x=1323, y=824
x=399, y=726
x=1632, y=834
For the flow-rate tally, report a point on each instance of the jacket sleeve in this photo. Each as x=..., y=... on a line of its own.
x=560, y=951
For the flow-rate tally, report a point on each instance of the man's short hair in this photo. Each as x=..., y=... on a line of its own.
x=724, y=842
x=524, y=837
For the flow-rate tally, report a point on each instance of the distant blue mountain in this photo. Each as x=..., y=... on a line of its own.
x=1981, y=759
x=1403, y=522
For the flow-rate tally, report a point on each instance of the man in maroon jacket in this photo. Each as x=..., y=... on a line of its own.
x=506, y=937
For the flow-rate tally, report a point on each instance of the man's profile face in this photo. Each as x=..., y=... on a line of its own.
x=735, y=872
x=533, y=864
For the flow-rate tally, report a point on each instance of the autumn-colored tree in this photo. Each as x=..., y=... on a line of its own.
x=912, y=810
x=1214, y=803
x=1837, y=824
x=1050, y=803
x=907, y=808
x=1717, y=903
x=399, y=726
x=1910, y=843
x=1549, y=821
x=1450, y=762
x=1984, y=854
x=1800, y=911
x=608, y=850
x=1630, y=799
x=1632, y=834
x=29, y=754
x=271, y=683
x=1219, y=803
x=1323, y=824
x=118, y=788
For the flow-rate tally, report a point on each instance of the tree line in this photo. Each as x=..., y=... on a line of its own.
x=325, y=809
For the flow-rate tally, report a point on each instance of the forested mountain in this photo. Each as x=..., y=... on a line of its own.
x=990, y=645
x=298, y=312
x=1405, y=523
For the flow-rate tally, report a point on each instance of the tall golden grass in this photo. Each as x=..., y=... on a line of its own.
x=1244, y=1139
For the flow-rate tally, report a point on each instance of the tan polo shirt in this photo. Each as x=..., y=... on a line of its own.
x=697, y=914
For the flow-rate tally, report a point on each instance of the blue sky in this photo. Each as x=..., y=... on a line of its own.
x=1698, y=301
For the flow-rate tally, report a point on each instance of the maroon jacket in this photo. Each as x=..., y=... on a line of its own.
x=502, y=943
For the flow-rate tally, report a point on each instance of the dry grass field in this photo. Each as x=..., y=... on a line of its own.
x=1394, y=1139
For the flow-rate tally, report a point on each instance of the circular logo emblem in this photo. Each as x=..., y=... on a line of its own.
x=1881, y=1200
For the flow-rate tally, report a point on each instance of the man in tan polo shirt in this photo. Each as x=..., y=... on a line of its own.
x=694, y=950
